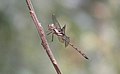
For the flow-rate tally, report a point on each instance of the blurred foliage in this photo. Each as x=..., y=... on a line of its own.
x=92, y=25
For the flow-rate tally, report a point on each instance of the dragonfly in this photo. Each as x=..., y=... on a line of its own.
x=55, y=29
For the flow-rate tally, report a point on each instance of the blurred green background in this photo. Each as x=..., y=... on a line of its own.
x=92, y=25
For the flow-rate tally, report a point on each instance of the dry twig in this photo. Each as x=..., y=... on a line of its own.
x=42, y=36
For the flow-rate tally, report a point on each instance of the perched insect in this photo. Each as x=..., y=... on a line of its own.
x=55, y=29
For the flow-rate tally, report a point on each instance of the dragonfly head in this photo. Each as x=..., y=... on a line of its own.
x=51, y=27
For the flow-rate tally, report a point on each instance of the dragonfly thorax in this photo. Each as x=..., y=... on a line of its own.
x=57, y=32
x=53, y=28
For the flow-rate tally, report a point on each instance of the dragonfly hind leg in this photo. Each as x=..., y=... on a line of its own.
x=52, y=37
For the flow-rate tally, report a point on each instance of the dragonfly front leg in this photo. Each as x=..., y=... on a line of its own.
x=49, y=33
x=52, y=35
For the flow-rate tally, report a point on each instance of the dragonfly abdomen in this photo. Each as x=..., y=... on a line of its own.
x=79, y=51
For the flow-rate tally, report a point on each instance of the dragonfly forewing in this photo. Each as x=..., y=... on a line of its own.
x=56, y=23
x=63, y=29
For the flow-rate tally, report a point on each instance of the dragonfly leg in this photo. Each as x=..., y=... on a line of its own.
x=49, y=33
x=52, y=37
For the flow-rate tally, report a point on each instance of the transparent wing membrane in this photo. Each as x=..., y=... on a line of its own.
x=55, y=22
x=67, y=41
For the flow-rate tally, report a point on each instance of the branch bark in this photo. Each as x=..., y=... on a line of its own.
x=42, y=36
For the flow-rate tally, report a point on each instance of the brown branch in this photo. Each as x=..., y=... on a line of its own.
x=42, y=36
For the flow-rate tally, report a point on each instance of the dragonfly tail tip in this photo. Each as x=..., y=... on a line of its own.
x=87, y=58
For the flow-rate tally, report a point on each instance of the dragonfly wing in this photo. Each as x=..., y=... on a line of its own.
x=63, y=29
x=60, y=39
x=67, y=41
x=55, y=22
x=66, y=38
